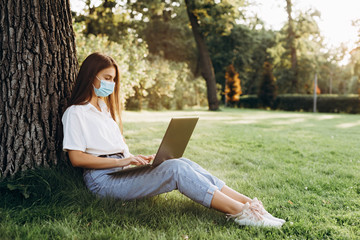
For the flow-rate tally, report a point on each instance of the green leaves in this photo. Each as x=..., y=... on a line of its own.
x=147, y=80
x=31, y=184
x=23, y=189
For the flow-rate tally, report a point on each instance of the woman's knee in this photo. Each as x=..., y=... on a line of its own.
x=190, y=163
x=185, y=160
x=176, y=165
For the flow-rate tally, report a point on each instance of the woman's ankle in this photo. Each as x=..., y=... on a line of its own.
x=236, y=208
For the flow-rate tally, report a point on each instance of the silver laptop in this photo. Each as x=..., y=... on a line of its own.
x=172, y=145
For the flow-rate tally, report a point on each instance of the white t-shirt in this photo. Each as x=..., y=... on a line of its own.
x=91, y=131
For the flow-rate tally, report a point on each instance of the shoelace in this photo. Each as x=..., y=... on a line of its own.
x=257, y=206
x=254, y=212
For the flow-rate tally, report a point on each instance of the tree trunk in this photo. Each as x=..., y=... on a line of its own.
x=207, y=70
x=292, y=47
x=37, y=69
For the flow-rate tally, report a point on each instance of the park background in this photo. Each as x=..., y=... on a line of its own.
x=180, y=58
x=240, y=44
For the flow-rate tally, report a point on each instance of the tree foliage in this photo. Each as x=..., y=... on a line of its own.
x=147, y=80
x=232, y=37
x=246, y=49
x=291, y=48
x=309, y=56
x=232, y=86
x=106, y=19
x=164, y=25
x=268, y=89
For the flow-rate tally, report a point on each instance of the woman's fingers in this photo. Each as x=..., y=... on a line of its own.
x=140, y=160
x=147, y=158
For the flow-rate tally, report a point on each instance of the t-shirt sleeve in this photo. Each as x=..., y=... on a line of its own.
x=73, y=132
x=126, y=151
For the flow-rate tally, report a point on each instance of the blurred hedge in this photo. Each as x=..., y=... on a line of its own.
x=301, y=102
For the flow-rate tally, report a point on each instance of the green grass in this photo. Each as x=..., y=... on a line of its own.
x=304, y=167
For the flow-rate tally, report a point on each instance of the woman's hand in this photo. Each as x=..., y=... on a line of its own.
x=139, y=160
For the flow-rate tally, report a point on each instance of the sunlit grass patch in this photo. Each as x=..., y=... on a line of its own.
x=303, y=166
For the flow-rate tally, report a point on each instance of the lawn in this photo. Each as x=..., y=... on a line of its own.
x=303, y=166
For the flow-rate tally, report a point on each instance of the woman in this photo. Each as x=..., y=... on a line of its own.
x=94, y=141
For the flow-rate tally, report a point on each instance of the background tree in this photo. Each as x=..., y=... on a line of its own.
x=230, y=36
x=331, y=73
x=164, y=26
x=263, y=40
x=355, y=62
x=165, y=29
x=206, y=67
x=291, y=46
x=268, y=90
x=38, y=67
x=147, y=81
x=310, y=53
x=245, y=47
x=232, y=86
x=105, y=20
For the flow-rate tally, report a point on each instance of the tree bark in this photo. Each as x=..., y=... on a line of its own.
x=206, y=67
x=37, y=70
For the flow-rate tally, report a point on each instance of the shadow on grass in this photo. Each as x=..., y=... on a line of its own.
x=51, y=195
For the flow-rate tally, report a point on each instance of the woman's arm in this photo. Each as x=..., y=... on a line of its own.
x=84, y=160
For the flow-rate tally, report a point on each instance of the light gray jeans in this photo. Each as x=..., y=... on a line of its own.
x=188, y=177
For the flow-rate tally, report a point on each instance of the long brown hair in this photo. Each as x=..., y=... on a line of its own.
x=83, y=89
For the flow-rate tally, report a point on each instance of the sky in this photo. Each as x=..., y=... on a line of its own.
x=335, y=23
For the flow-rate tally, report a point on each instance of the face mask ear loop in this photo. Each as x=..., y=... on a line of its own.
x=97, y=79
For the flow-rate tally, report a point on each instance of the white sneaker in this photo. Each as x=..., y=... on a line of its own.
x=250, y=217
x=258, y=206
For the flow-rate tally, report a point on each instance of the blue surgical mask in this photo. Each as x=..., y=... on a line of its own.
x=106, y=88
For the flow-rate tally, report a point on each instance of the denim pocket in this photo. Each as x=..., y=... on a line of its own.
x=90, y=181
